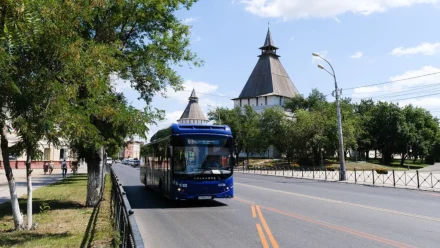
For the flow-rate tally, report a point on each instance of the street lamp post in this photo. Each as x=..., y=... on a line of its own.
x=338, y=113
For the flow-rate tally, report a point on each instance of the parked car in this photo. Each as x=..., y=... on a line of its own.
x=109, y=161
x=136, y=162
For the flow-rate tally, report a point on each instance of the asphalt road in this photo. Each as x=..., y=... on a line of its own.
x=272, y=211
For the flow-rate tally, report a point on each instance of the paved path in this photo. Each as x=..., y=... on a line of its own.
x=287, y=212
x=38, y=180
x=431, y=168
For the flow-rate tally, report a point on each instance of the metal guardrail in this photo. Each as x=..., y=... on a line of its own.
x=123, y=216
x=405, y=179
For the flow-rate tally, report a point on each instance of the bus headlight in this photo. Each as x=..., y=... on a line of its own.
x=227, y=188
x=179, y=189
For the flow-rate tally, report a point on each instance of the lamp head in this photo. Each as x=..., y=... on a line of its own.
x=315, y=54
x=320, y=66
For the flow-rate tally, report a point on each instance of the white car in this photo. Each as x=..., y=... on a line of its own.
x=109, y=161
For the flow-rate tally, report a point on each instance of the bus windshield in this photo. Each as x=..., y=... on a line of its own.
x=202, y=154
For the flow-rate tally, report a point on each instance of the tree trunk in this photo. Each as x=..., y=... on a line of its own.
x=402, y=159
x=415, y=159
x=29, y=188
x=375, y=154
x=367, y=155
x=18, y=218
x=94, y=180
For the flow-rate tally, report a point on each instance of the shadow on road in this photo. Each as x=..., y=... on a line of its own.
x=143, y=198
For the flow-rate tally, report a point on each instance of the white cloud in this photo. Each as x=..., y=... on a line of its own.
x=189, y=20
x=357, y=55
x=291, y=9
x=424, y=48
x=419, y=91
x=292, y=38
x=336, y=20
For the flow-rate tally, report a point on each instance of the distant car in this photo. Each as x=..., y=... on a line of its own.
x=109, y=161
x=136, y=162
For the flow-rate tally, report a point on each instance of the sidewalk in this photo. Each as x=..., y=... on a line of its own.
x=38, y=180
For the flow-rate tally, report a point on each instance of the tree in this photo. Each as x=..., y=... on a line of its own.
x=275, y=130
x=136, y=40
x=232, y=118
x=19, y=28
x=106, y=125
x=250, y=132
x=365, y=139
x=388, y=122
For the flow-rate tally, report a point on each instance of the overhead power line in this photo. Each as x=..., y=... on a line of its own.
x=393, y=81
x=432, y=94
x=408, y=91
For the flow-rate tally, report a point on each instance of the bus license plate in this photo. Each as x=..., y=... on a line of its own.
x=204, y=197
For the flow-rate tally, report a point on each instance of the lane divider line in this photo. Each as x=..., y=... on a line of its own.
x=262, y=237
x=348, y=203
x=267, y=229
x=335, y=227
x=253, y=211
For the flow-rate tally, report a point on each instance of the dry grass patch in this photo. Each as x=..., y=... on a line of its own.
x=63, y=220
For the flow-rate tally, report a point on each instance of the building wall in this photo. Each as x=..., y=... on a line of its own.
x=263, y=103
x=49, y=153
x=192, y=121
x=132, y=150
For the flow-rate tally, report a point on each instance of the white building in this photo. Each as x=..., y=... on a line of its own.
x=49, y=151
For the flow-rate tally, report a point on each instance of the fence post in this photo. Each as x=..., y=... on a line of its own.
x=302, y=173
x=372, y=172
x=325, y=174
x=394, y=179
x=313, y=173
x=355, y=177
x=418, y=185
x=432, y=185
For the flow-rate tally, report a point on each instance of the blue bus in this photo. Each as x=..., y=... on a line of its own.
x=190, y=162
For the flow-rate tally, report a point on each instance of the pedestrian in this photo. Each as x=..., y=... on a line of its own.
x=46, y=167
x=64, y=167
x=51, y=165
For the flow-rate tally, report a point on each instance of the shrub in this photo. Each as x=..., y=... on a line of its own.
x=44, y=208
x=331, y=168
x=381, y=171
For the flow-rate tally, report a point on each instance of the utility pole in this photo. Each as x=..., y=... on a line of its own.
x=338, y=113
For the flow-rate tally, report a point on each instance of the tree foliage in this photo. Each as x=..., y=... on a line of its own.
x=309, y=127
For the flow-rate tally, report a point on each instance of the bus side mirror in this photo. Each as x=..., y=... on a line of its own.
x=170, y=151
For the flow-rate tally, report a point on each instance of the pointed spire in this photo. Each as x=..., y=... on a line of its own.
x=268, y=41
x=193, y=94
x=193, y=113
x=269, y=46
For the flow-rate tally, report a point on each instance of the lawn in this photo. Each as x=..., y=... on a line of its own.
x=350, y=165
x=66, y=222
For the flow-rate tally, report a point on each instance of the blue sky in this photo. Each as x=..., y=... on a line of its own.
x=367, y=42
